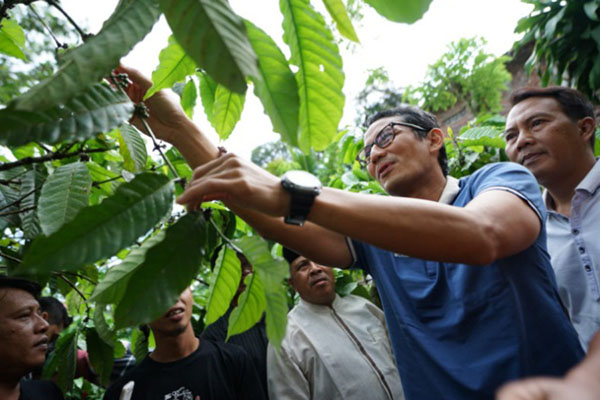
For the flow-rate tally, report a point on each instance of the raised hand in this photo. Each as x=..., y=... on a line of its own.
x=167, y=118
x=239, y=183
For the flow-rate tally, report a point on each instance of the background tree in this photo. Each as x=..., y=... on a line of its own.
x=567, y=42
x=466, y=72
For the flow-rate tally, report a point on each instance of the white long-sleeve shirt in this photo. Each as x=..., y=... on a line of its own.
x=334, y=353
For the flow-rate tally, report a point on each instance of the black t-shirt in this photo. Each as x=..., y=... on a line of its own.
x=215, y=371
x=40, y=390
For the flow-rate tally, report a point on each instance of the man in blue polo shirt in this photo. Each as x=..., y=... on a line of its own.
x=462, y=268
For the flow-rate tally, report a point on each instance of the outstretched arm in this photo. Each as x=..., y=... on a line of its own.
x=581, y=383
x=170, y=123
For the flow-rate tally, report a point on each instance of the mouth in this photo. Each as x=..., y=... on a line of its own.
x=530, y=158
x=383, y=168
x=174, y=312
x=318, y=281
x=42, y=343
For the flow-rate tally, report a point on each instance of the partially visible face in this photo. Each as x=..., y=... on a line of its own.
x=540, y=136
x=53, y=330
x=23, y=341
x=177, y=318
x=400, y=166
x=313, y=282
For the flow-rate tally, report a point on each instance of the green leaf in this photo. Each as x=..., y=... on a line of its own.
x=214, y=36
x=63, y=195
x=133, y=148
x=227, y=276
x=482, y=136
x=139, y=345
x=111, y=288
x=12, y=39
x=174, y=66
x=338, y=12
x=227, y=111
x=208, y=87
x=104, y=331
x=591, y=8
x=101, y=230
x=99, y=109
x=8, y=196
x=188, y=98
x=60, y=366
x=320, y=77
x=251, y=306
x=101, y=355
x=94, y=59
x=272, y=272
x=407, y=11
x=30, y=187
x=277, y=90
x=168, y=269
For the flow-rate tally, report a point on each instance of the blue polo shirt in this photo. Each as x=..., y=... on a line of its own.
x=460, y=331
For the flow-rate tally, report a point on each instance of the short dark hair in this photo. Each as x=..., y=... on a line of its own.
x=10, y=282
x=416, y=116
x=57, y=313
x=574, y=104
x=289, y=255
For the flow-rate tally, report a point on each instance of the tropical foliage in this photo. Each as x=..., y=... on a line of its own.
x=567, y=41
x=87, y=211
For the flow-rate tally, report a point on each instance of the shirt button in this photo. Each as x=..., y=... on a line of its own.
x=575, y=232
x=588, y=268
x=581, y=250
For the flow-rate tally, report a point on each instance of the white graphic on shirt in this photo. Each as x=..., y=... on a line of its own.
x=180, y=394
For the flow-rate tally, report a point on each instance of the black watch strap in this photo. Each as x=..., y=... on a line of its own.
x=299, y=208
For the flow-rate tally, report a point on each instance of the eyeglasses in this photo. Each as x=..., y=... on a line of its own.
x=383, y=139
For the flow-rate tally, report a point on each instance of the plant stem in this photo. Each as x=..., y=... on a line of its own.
x=61, y=276
x=4, y=255
x=158, y=148
x=20, y=199
x=48, y=157
x=225, y=238
x=55, y=4
x=4, y=214
x=59, y=45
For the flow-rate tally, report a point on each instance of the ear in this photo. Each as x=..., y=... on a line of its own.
x=436, y=139
x=45, y=315
x=587, y=128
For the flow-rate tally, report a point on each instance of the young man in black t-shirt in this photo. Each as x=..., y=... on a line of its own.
x=23, y=342
x=184, y=367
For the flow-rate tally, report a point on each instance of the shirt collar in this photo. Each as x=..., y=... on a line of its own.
x=450, y=190
x=318, y=307
x=589, y=184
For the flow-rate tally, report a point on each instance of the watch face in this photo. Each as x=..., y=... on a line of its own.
x=303, y=179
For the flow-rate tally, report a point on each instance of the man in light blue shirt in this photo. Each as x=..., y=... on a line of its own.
x=551, y=132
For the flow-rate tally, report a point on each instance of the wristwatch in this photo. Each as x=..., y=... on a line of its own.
x=303, y=188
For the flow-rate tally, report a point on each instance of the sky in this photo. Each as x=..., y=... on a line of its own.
x=403, y=50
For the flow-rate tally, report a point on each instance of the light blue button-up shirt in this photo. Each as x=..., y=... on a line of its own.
x=574, y=245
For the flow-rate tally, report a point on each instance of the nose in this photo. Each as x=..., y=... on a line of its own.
x=376, y=153
x=41, y=325
x=315, y=268
x=523, y=139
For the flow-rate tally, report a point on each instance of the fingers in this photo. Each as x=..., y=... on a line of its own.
x=136, y=76
x=530, y=389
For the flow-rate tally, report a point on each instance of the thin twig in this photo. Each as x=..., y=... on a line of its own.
x=59, y=45
x=82, y=277
x=9, y=257
x=55, y=4
x=98, y=183
x=61, y=276
x=225, y=238
x=48, y=157
x=201, y=281
x=20, y=199
x=4, y=214
x=8, y=4
x=9, y=182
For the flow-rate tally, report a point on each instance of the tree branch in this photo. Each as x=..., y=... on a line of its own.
x=8, y=4
x=55, y=4
x=9, y=257
x=4, y=214
x=48, y=157
x=61, y=276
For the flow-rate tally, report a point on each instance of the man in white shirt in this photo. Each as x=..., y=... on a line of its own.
x=551, y=131
x=334, y=347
